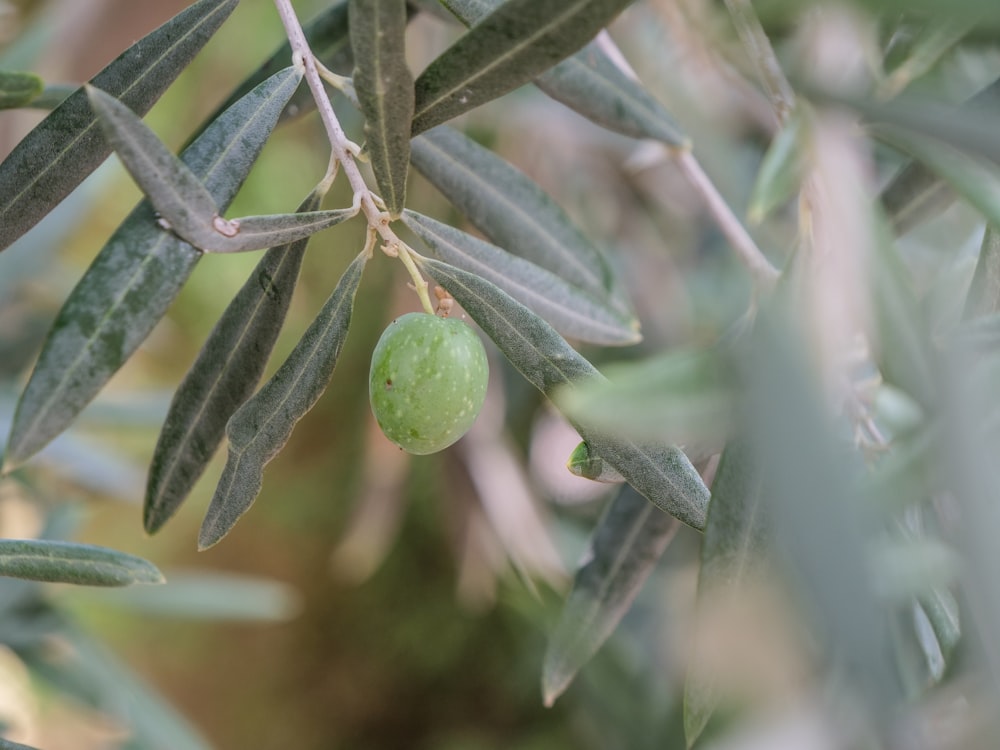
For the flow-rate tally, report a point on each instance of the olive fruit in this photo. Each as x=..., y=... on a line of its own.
x=427, y=381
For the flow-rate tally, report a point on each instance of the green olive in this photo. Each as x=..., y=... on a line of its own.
x=427, y=381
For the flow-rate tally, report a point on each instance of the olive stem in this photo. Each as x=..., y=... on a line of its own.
x=746, y=249
x=341, y=147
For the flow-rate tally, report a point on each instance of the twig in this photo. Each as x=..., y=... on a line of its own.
x=746, y=249
x=343, y=150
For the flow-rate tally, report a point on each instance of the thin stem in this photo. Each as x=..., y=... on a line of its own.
x=740, y=240
x=342, y=148
x=758, y=47
x=746, y=249
x=419, y=284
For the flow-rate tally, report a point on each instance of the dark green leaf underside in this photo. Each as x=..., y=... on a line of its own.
x=259, y=428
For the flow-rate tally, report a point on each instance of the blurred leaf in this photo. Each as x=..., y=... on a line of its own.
x=732, y=549
x=133, y=280
x=902, y=345
x=384, y=86
x=780, y=170
x=592, y=85
x=259, y=428
x=81, y=668
x=821, y=527
x=910, y=567
x=680, y=397
x=18, y=89
x=8, y=745
x=662, y=473
x=932, y=42
x=67, y=562
x=584, y=463
x=625, y=546
x=514, y=212
x=67, y=146
x=329, y=39
x=984, y=291
x=915, y=195
x=977, y=182
x=222, y=377
x=181, y=199
x=512, y=45
x=571, y=311
x=205, y=595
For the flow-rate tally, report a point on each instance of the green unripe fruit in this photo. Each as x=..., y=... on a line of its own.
x=427, y=381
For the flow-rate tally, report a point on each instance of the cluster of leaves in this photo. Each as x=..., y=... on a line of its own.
x=792, y=487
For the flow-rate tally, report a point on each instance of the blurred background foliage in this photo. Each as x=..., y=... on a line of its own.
x=395, y=606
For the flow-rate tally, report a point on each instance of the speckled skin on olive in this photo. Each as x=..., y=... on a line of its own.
x=427, y=381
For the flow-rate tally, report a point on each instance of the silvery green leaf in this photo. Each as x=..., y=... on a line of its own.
x=259, y=428
x=68, y=145
x=512, y=45
x=514, y=212
x=625, y=546
x=181, y=199
x=384, y=86
x=68, y=562
x=570, y=310
x=134, y=278
x=223, y=376
x=662, y=473
x=583, y=462
x=589, y=83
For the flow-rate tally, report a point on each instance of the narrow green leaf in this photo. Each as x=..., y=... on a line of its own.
x=259, y=428
x=222, y=378
x=662, y=473
x=984, y=291
x=731, y=551
x=384, y=86
x=972, y=178
x=570, y=310
x=682, y=397
x=592, y=85
x=134, y=278
x=780, y=170
x=68, y=145
x=626, y=544
x=183, y=202
x=583, y=462
x=18, y=89
x=902, y=349
x=512, y=45
x=67, y=562
x=8, y=745
x=514, y=212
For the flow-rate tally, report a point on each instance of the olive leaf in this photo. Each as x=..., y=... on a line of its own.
x=181, y=199
x=628, y=540
x=514, y=212
x=17, y=89
x=259, y=428
x=222, y=377
x=134, y=278
x=591, y=84
x=69, y=562
x=571, y=311
x=583, y=462
x=512, y=45
x=780, y=170
x=384, y=87
x=984, y=291
x=732, y=549
x=68, y=145
x=663, y=474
